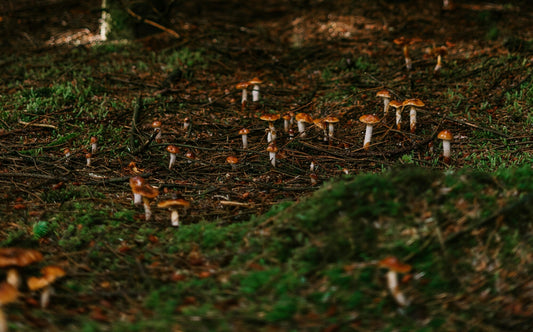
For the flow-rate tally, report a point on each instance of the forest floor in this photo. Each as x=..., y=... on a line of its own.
x=263, y=247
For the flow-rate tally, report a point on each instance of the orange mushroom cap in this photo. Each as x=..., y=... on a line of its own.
x=173, y=149
x=244, y=131
x=392, y=263
x=413, y=102
x=269, y=117
x=445, y=135
x=369, y=119
x=304, y=117
x=232, y=160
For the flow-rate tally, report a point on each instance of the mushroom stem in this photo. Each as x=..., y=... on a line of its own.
x=286, y=125
x=392, y=284
x=398, y=118
x=446, y=151
x=244, y=98
x=331, y=130
x=412, y=119
x=439, y=63
x=3, y=321
x=301, y=128
x=13, y=278
x=368, y=136
x=244, y=141
x=45, y=296
x=147, y=211
x=272, y=157
x=386, y=102
x=137, y=199
x=408, y=62
x=255, y=93
x=172, y=160
x=175, y=218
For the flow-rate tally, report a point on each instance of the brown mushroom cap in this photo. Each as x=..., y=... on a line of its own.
x=255, y=80
x=173, y=149
x=8, y=293
x=272, y=148
x=445, y=135
x=94, y=139
x=35, y=283
x=395, y=103
x=320, y=123
x=232, y=160
x=413, y=102
x=392, y=263
x=174, y=203
x=269, y=117
x=384, y=94
x=52, y=272
x=242, y=85
x=244, y=131
x=369, y=119
x=190, y=155
x=18, y=257
x=304, y=117
x=331, y=119
x=286, y=116
x=156, y=124
x=139, y=186
x=136, y=182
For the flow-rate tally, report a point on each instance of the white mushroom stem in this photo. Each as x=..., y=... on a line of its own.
x=439, y=63
x=331, y=130
x=271, y=135
x=301, y=128
x=272, y=157
x=172, y=160
x=174, y=217
x=412, y=119
x=386, y=102
x=45, y=296
x=158, y=135
x=255, y=93
x=286, y=125
x=398, y=118
x=147, y=211
x=368, y=136
x=392, y=284
x=3, y=321
x=245, y=141
x=446, y=149
x=93, y=147
x=137, y=199
x=88, y=161
x=244, y=98
x=13, y=278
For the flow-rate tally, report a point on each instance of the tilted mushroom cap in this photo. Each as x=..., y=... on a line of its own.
x=136, y=182
x=269, y=117
x=331, y=119
x=244, y=131
x=52, y=272
x=369, y=119
x=413, y=102
x=174, y=203
x=442, y=50
x=395, y=103
x=304, y=117
x=272, y=148
x=35, y=283
x=384, y=94
x=392, y=263
x=445, y=135
x=18, y=256
x=138, y=186
x=242, y=85
x=255, y=80
x=320, y=123
x=232, y=160
x=173, y=149
x=8, y=293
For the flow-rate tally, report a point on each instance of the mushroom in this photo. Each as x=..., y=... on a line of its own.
x=190, y=156
x=386, y=95
x=94, y=142
x=88, y=156
x=331, y=120
x=446, y=137
x=243, y=86
x=271, y=118
x=320, y=124
x=173, y=205
x=17, y=257
x=439, y=52
x=286, y=122
x=394, y=266
x=413, y=103
x=314, y=179
x=301, y=119
x=8, y=294
x=233, y=161
x=272, y=150
x=142, y=190
x=66, y=153
x=156, y=125
x=397, y=105
x=244, y=132
x=370, y=120
x=255, y=90
x=186, y=123
x=405, y=42
x=172, y=149
x=50, y=275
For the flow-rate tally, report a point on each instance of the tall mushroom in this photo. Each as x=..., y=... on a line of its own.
x=50, y=275
x=270, y=118
x=244, y=133
x=142, y=190
x=386, y=96
x=173, y=150
x=8, y=294
x=405, y=42
x=272, y=149
x=17, y=257
x=331, y=121
x=233, y=161
x=413, y=104
x=302, y=119
x=94, y=144
x=446, y=137
x=370, y=120
x=439, y=52
x=286, y=122
x=173, y=205
x=321, y=124
x=244, y=87
x=397, y=105
x=255, y=90
x=394, y=267
x=88, y=157
x=156, y=125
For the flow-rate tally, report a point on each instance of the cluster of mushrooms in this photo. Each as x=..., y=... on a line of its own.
x=14, y=259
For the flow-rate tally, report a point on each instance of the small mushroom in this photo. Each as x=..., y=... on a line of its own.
x=186, y=123
x=413, y=104
x=50, y=275
x=173, y=150
x=190, y=156
x=302, y=119
x=331, y=121
x=17, y=257
x=286, y=122
x=370, y=120
x=320, y=124
x=233, y=161
x=405, y=42
x=146, y=192
x=446, y=137
x=173, y=205
x=244, y=133
x=397, y=105
x=272, y=150
x=8, y=294
x=94, y=143
x=244, y=87
x=439, y=52
x=270, y=118
x=88, y=157
x=156, y=125
x=386, y=95
x=255, y=90
x=394, y=267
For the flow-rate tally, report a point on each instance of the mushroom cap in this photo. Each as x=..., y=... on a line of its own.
x=174, y=203
x=445, y=135
x=244, y=131
x=395, y=103
x=232, y=160
x=136, y=182
x=88, y=155
x=442, y=50
x=190, y=155
x=269, y=117
x=369, y=119
x=139, y=186
x=331, y=119
x=156, y=124
x=255, y=80
x=392, y=263
x=413, y=102
x=319, y=123
x=406, y=41
x=52, y=272
x=8, y=293
x=18, y=257
x=384, y=94
x=173, y=149
x=304, y=117
x=272, y=148
x=242, y=85
x=286, y=116
x=94, y=139
x=35, y=283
